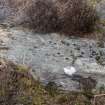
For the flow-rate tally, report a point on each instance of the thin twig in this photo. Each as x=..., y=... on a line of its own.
x=94, y=100
x=99, y=95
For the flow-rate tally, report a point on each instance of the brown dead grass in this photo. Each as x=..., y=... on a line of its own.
x=76, y=16
x=65, y=16
x=43, y=16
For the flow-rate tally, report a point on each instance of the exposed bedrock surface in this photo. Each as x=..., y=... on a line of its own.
x=49, y=54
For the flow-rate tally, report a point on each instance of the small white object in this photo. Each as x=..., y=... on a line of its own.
x=69, y=70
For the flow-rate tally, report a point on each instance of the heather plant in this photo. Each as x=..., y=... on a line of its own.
x=63, y=16
x=66, y=16
x=43, y=16
x=76, y=16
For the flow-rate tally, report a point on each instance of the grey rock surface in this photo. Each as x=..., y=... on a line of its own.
x=49, y=54
x=101, y=9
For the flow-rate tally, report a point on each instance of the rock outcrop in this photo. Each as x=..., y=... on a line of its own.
x=49, y=54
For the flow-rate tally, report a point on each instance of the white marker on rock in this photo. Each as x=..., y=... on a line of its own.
x=70, y=70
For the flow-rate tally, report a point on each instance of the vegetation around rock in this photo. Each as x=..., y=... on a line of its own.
x=17, y=87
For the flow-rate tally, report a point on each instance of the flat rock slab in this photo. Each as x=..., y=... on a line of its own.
x=49, y=54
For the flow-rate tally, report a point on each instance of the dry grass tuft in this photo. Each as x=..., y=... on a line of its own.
x=65, y=16
x=43, y=16
x=76, y=16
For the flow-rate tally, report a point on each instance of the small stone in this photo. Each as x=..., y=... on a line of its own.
x=69, y=70
x=67, y=58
